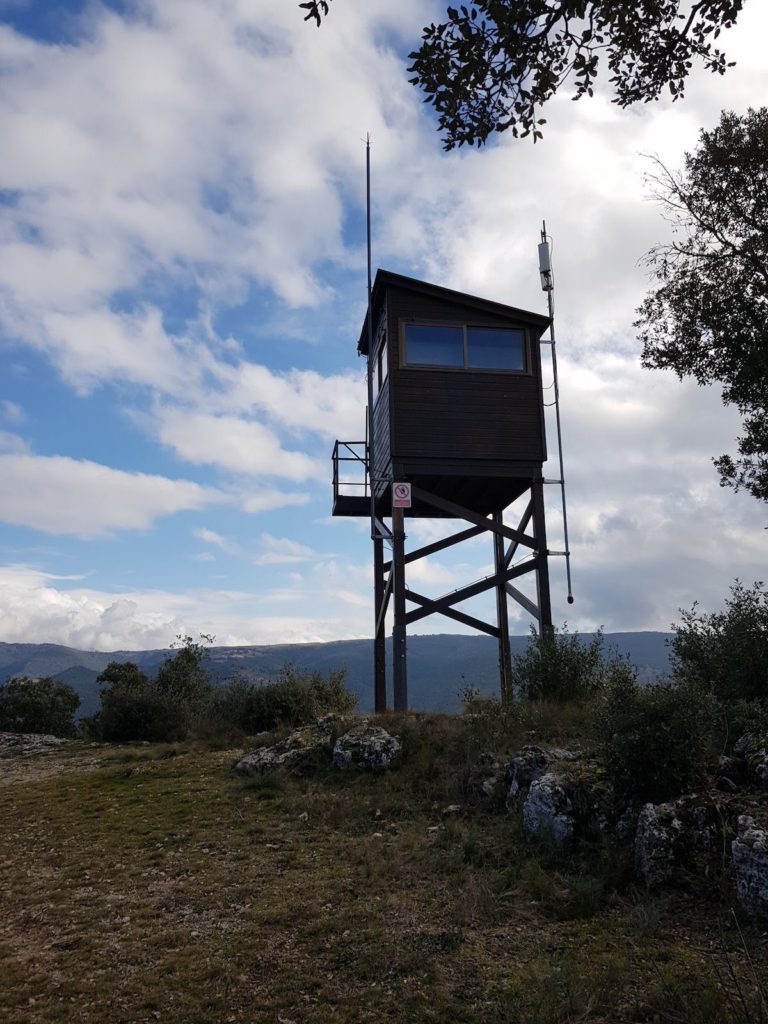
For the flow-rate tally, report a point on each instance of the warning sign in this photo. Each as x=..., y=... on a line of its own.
x=401, y=495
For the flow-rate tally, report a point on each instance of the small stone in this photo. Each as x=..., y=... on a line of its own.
x=304, y=816
x=451, y=810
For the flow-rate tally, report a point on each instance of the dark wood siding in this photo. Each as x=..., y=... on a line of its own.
x=381, y=434
x=461, y=414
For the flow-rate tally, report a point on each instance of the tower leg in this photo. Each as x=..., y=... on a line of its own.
x=502, y=617
x=379, y=647
x=399, y=665
x=542, y=562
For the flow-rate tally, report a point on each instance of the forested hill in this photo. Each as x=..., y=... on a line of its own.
x=438, y=666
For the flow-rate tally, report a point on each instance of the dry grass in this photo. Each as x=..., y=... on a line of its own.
x=148, y=884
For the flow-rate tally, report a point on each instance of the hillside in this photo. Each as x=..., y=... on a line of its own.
x=439, y=666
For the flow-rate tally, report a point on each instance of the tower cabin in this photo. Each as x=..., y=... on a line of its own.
x=457, y=398
x=457, y=415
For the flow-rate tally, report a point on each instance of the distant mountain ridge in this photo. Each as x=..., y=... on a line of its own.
x=439, y=666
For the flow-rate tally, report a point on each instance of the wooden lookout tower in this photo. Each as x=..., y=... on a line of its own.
x=456, y=415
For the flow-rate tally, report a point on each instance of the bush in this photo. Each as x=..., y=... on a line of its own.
x=726, y=653
x=173, y=707
x=38, y=705
x=560, y=667
x=653, y=741
x=294, y=699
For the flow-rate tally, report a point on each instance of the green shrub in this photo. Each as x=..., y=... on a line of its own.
x=726, y=652
x=559, y=666
x=174, y=706
x=38, y=705
x=295, y=698
x=653, y=741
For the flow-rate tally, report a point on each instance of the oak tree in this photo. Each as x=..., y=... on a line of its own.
x=707, y=317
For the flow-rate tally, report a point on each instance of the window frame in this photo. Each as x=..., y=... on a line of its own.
x=403, y=364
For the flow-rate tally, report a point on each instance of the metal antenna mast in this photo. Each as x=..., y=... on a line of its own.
x=548, y=285
x=369, y=431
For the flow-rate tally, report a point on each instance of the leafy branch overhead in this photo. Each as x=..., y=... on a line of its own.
x=708, y=315
x=494, y=63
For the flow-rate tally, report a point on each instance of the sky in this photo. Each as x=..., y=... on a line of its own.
x=182, y=284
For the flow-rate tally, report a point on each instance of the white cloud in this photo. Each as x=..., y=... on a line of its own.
x=240, y=445
x=12, y=442
x=11, y=412
x=40, y=607
x=282, y=551
x=60, y=495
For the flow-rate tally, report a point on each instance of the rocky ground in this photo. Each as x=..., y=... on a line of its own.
x=366, y=880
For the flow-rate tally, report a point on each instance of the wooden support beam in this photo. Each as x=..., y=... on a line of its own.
x=473, y=517
x=381, y=608
x=379, y=641
x=524, y=601
x=464, y=593
x=502, y=616
x=399, y=665
x=440, y=545
x=451, y=613
x=526, y=518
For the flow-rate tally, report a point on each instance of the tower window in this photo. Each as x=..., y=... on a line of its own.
x=464, y=346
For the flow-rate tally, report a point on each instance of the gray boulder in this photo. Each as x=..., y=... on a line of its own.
x=749, y=851
x=548, y=810
x=297, y=752
x=672, y=834
x=366, y=747
x=525, y=768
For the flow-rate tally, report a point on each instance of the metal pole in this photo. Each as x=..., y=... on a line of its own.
x=549, y=288
x=370, y=445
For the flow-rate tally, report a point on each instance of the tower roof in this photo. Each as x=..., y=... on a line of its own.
x=386, y=278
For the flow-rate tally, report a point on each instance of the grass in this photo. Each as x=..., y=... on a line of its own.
x=149, y=884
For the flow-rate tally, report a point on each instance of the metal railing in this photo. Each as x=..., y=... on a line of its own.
x=350, y=469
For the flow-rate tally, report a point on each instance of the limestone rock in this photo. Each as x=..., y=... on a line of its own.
x=367, y=747
x=27, y=744
x=548, y=810
x=526, y=767
x=750, y=868
x=296, y=752
x=671, y=834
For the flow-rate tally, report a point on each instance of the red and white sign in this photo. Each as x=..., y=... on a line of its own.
x=401, y=495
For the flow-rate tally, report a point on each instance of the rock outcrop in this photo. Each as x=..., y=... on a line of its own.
x=299, y=751
x=749, y=851
x=525, y=768
x=673, y=834
x=27, y=744
x=365, y=748
x=548, y=810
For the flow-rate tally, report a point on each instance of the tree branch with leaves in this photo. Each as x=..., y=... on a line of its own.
x=707, y=318
x=493, y=64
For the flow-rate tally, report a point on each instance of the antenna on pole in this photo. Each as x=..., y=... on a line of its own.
x=548, y=285
x=369, y=425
